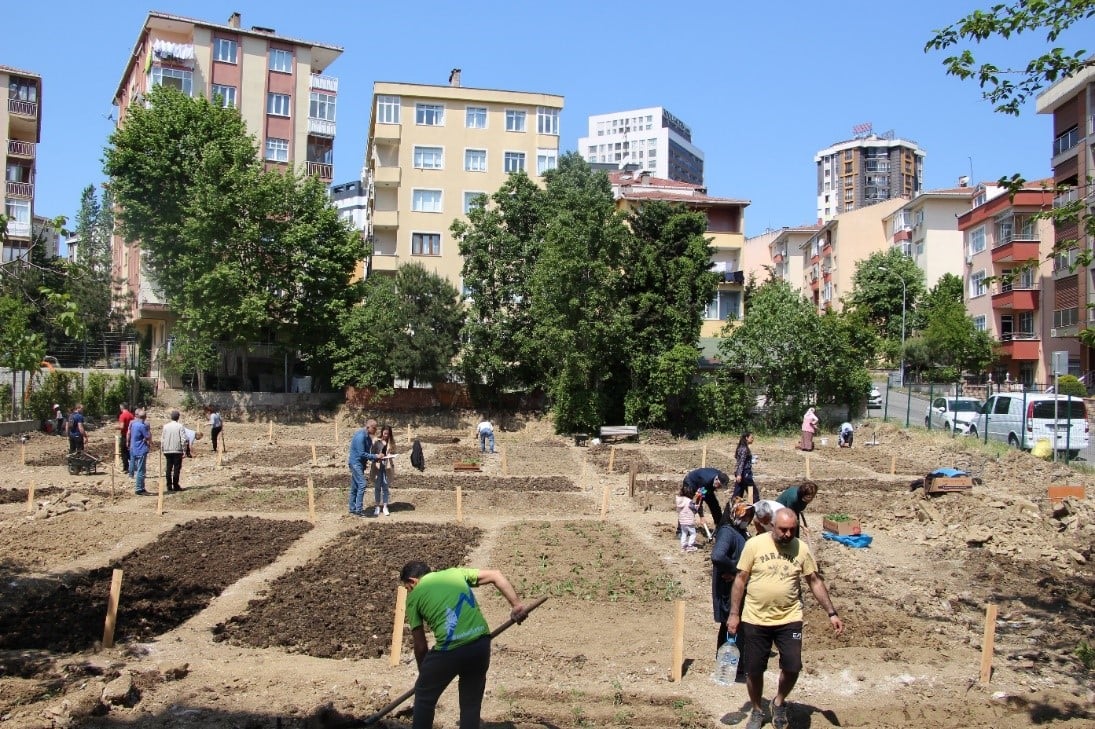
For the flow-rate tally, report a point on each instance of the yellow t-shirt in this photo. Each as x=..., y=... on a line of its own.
x=774, y=593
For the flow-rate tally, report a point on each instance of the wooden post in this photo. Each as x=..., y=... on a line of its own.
x=23, y=453
x=30, y=498
x=505, y=461
x=112, y=609
x=409, y=438
x=159, y=499
x=893, y=465
x=397, y=626
x=117, y=452
x=336, y=430
x=988, y=642
x=611, y=459
x=459, y=505
x=631, y=479
x=112, y=483
x=604, y=502
x=807, y=467
x=677, y=672
x=220, y=457
x=270, y=433
x=703, y=458
x=313, y=454
x=311, y=499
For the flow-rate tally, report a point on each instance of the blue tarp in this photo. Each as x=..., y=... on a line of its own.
x=856, y=541
x=948, y=472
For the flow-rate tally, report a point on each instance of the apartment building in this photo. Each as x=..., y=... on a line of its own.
x=926, y=230
x=277, y=83
x=864, y=171
x=780, y=254
x=433, y=150
x=1004, y=241
x=831, y=253
x=652, y=140
x=1070, y=293
x=21, y=119
x=725, y=230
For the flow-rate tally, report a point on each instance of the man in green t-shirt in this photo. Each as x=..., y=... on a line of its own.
x=769, y=569
x=445, y=602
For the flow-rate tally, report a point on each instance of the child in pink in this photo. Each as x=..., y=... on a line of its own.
x=686, y=519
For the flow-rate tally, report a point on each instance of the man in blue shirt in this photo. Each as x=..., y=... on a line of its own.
x=708, y=481
x=77, y=436
x=361, y=446
x=140, y=435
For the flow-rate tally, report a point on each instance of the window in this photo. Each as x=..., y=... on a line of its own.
x=476, y=117
x=387, y=109
x=426, y=201
x=515, y=120
x=224, y=50
x=173, y=77
x=277, y=104
x=547, y=120
x=980, y=323
x=546, y=159
x=473, y=199
x=475, y=160
x=430, y=115
x=277, y=150
x=425, y=244
x=429, y=158
x=227, y=95
x=725, y=305
x=977, y=284
x=281, y=60
x=977, y=240
x=321, y=106
x=515, y=162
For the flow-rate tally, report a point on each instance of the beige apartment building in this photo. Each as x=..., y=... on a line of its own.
x=926, y=230
x=277, y=83
x=21, y=120
x=830, y=255
x=432, y=150
x=779, y=254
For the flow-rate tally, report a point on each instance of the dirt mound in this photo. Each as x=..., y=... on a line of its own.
x=19, y=496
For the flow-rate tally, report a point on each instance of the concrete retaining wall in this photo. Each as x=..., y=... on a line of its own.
x=13, y=427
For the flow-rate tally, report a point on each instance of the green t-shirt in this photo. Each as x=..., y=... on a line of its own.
x=445, y=602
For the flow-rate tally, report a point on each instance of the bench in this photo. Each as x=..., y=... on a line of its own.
x=619, y=431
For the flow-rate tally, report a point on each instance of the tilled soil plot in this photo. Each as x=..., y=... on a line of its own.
x=14, y=496
x=45, y=544
x=280, y=456
x=164, y=584
x=412, y=480
x=340, y=606
x=600, y=455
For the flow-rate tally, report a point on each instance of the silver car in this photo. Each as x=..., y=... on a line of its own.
x=874, y=398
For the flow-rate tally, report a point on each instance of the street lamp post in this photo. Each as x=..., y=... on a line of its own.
x=904, y=289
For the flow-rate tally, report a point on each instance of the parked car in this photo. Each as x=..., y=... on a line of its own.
x=953, y=413
x=874, y=398
x=1022, y=419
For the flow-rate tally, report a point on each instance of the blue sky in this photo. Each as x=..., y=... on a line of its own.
x=762, y=85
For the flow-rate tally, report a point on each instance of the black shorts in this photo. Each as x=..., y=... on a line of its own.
x=758, y=641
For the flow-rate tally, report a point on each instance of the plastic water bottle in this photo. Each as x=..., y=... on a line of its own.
x=726, y=662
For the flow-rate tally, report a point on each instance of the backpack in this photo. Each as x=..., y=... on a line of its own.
x=417, y=459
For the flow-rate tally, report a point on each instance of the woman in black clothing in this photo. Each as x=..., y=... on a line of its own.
x=743, y=471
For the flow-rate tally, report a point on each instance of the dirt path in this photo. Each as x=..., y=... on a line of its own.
x=597, y=653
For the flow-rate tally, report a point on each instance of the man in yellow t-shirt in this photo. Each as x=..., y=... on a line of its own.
x=769, y=569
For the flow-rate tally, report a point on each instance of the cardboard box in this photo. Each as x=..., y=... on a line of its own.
x=843, y=528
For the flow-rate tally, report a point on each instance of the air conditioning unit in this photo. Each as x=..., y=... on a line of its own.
x=969, y=259
x=1053, y=333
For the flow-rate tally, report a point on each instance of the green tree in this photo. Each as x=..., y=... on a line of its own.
x=500, y=245
x=878, y=295
x=20, y=349
x=954, y=342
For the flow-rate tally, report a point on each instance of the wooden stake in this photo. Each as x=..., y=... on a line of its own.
x=807, y=467
x=159, y=499
x=988, y=642
x=112, y=483
x=220, y=457
x=313, y=454
x=631, y=479
x=409, y=438
x=893, y=465
x=397, y=626
x=611, y=459
x=112, y=609
x=23, y=453
x=703, y=458
x=270, y=433
x=604, y=502
x=677, y=672
x=336, y=431
x=459, y=505
x=30, y=498
x=117, y=452
x=311, y=499
x=505, y=461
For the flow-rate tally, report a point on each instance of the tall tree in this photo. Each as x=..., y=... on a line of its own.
x=879, y=295
x=954, y=343
x=948, y=288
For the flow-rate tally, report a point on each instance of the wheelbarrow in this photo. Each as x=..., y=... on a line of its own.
x=82, y=462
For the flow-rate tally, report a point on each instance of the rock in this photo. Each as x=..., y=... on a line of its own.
x=1076, y=556
x=174, y=671
x=120, y=691
x=977, y=535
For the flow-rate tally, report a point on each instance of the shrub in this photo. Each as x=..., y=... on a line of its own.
x=1070, y=385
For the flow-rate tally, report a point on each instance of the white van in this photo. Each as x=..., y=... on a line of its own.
x=1021, y=420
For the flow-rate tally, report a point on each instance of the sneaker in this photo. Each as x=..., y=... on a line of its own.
x=142, y=492
x=385, y=510
x=690, y=548
x=377, y=512
x=756, y=720
x=779, y=716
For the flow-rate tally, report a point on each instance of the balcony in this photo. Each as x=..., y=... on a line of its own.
x=1016, y=297
x=24, y=190
x=325, y=83
x=18, y=229
x=1062, y=199
x=18, y=107
x=386, y=262
x=827, y=249
x=19, y=148
x=1066, y=141
x=387, y=176
x=321, y=127
x=387, y=132
x=322, y=170
x=1019, y=345
x=385, y=218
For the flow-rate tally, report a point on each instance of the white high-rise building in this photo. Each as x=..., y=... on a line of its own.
x=650, y=139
